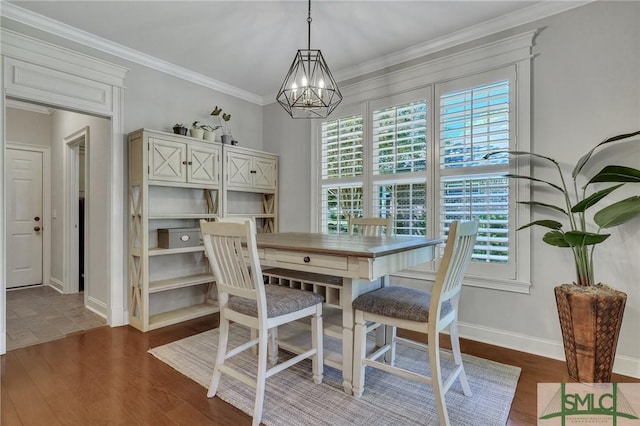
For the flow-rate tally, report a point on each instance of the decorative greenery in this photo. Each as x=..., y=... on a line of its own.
x=576, y=237
x=178, y=125
x=226, y=129
x=209, y=128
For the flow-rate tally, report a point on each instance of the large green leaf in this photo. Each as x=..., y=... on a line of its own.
x=583, y=160
x=581, y=238
x=518, y=153
x=616, y=174
x=555, y=238
x=509, y=175
x=552, y=224
x=593, y=198
x=618, y=213
x=551, y=206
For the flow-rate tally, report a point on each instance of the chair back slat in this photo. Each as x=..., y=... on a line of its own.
x=456, y=258
x=224, y=243
x=370, y=226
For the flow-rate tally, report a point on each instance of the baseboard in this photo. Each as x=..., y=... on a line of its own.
x=97, y=307
x=56, y=284
x=625, y=365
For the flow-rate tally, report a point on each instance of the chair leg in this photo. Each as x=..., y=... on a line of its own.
x=359, y=354
x=263, y=336
x=390, y=356
x=223, y=340
x=457, y=357
x=317, y=335
x=436, y=377
x=273, y=346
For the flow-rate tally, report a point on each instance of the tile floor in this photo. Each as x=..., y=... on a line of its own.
x=41, y=314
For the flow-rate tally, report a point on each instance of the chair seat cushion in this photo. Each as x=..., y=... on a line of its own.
x=398, y=302
x=280, y=301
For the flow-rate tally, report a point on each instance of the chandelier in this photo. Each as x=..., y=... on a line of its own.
x=309, y=90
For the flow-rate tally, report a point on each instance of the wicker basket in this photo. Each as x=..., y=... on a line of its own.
x=590, y=319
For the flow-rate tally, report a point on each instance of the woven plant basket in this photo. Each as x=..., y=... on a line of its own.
x=590, y=319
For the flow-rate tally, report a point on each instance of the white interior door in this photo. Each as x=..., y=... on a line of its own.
x=24, y=217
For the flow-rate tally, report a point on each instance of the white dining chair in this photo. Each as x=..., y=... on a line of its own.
x=370, y=226
x=420, y=311
x=244, y=299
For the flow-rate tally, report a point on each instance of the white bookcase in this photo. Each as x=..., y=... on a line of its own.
x=174, y=181
x=250, y=186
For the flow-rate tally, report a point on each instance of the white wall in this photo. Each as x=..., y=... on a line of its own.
x=64, y=124
x=157, y=101
x=585, y=87
x=28, y=127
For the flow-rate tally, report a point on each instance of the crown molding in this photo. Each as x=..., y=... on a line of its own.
x=26, y=17
x=487, y=28
x=484, y=29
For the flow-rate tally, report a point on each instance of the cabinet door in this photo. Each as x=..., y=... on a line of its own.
x=265, y=173
x=239, y=169
x=204, y=166
x=167, y=160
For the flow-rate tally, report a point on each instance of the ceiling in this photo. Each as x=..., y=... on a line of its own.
x=248, y=46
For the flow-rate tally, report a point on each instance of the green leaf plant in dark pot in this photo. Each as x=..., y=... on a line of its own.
x=590, y=314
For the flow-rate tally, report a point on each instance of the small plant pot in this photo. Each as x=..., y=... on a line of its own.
x=226, y=138
x=209, y=136
x=196, y=133
x=180, y=130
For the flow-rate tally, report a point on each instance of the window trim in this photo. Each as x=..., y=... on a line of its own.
x=515, y=51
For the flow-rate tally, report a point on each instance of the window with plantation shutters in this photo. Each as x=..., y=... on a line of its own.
x=399, y=161
x=418, y=156
x=342, y=172
x=475, y=118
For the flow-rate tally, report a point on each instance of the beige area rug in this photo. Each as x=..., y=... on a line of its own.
x=292, y=398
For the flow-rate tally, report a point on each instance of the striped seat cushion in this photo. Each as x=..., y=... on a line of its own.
x=280, y=301
x=398, y=302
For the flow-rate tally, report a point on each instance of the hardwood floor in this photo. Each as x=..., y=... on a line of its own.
x=105, y=376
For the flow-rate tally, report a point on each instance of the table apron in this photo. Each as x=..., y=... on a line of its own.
x=365, y=268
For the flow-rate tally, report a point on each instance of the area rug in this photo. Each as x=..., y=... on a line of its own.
x=291, y=397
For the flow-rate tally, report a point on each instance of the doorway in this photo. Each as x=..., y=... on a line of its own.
x=52, y=307
x=77, y=195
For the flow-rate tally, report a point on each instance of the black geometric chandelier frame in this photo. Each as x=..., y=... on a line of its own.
x=309, y=90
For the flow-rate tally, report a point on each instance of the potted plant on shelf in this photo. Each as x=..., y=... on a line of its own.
x=209, y=132
x=179, y=129
x=590, y=314
x=223, y=124
x=196, y=130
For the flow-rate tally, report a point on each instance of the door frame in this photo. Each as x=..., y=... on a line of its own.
x=71, y=250
x=38, y=71
x=46, y=203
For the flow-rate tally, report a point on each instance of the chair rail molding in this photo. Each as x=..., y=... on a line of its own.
x=41, y=72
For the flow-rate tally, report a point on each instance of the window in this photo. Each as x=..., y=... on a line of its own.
x=399, y=161
x=342, y=172
x=415, y=148
x=475, y=117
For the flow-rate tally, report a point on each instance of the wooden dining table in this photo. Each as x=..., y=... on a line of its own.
x=357, y=263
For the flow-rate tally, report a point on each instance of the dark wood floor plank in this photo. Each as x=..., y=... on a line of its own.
x=106, y=376
x=8, y=414
x=30, y=405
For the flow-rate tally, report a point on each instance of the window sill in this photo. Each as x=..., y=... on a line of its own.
x=471, y=281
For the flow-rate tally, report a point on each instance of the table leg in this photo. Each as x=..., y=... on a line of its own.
x=351, y=288
x=348, y=295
